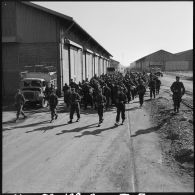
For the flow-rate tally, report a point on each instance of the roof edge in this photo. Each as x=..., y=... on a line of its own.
x=47, y=10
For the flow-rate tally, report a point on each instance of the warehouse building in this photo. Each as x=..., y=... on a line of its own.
x=166, y=61
x=33, y=35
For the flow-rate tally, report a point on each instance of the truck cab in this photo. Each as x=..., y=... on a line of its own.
x=33, y=85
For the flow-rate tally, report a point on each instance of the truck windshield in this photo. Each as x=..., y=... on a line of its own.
x=26, y=83
x=31, y=89
x=36, y=83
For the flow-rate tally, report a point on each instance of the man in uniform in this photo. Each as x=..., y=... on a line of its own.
x=67, y=93
x=53, y=102
x=74, y=105
x=19, y=103
x=107, y=94
x=178, y=90
x=87, y=95
x=101, y=101
x=158, y=84
x=120, y=104
x=152, y=86
x=141, y=90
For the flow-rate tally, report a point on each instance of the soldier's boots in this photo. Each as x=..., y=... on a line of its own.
x=116, y=124
x=78, y=119
x=70, y=121
x=56, y=116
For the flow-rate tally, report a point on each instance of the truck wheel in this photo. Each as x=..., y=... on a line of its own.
x=44, y=103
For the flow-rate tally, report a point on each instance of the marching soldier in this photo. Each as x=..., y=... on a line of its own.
x=178, y=90
x=100, y=101
x=107, y=94
x=53, y=102
x=152, y=86
x=120, y=104
x=141, y=90
x=74, y=105
x=67, y=96
x=19, y=103
x=158, y=84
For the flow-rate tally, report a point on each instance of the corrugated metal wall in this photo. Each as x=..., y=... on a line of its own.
x=10, y=56
x=8, y=19
x=34, y=25
x=176, y=65
x=37, y=53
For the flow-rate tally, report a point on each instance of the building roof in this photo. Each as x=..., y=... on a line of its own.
x=112, y=60
x=184, y=52
x=156, y=55
x=165, y=55
x=63, y=17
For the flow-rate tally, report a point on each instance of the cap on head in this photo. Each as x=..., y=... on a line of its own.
x=177, y=77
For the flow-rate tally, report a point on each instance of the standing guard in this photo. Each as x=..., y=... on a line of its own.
x=74, y=105
x=19, y=103
x=120, y=104
x=53, y=102
x=178, y=90
x=100, y=101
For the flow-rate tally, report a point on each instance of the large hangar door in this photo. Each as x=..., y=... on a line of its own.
x=89, y=64
x=105, y=66
x=76, y=64
x=65, y=65
x=96, y=65
x=84, y=67
x=100, y=66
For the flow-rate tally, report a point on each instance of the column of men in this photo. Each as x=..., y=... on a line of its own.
x=101, y=91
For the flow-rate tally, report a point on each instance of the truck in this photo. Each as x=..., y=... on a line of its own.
x=34, y=81
x=110, y=70
x=157, y=72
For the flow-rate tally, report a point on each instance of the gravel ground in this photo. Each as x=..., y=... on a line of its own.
x=176, y=133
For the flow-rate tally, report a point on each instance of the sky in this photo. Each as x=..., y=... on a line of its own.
x=130, y=30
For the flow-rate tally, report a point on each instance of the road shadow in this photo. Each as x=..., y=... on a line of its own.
x=95, y=132
x=8, y=122
x=145, y=131
x=24, y=126
x=134, y=108
x=78, y=129
x=46, y=128
x=153, y=129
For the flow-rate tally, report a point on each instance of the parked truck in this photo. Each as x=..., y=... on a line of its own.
x=33, y=84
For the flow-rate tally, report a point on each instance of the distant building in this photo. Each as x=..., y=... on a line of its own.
x=33, y=35
x=166, y=61
x=115, y=64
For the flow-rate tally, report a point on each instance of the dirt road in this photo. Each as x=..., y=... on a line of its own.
x=42, y=157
